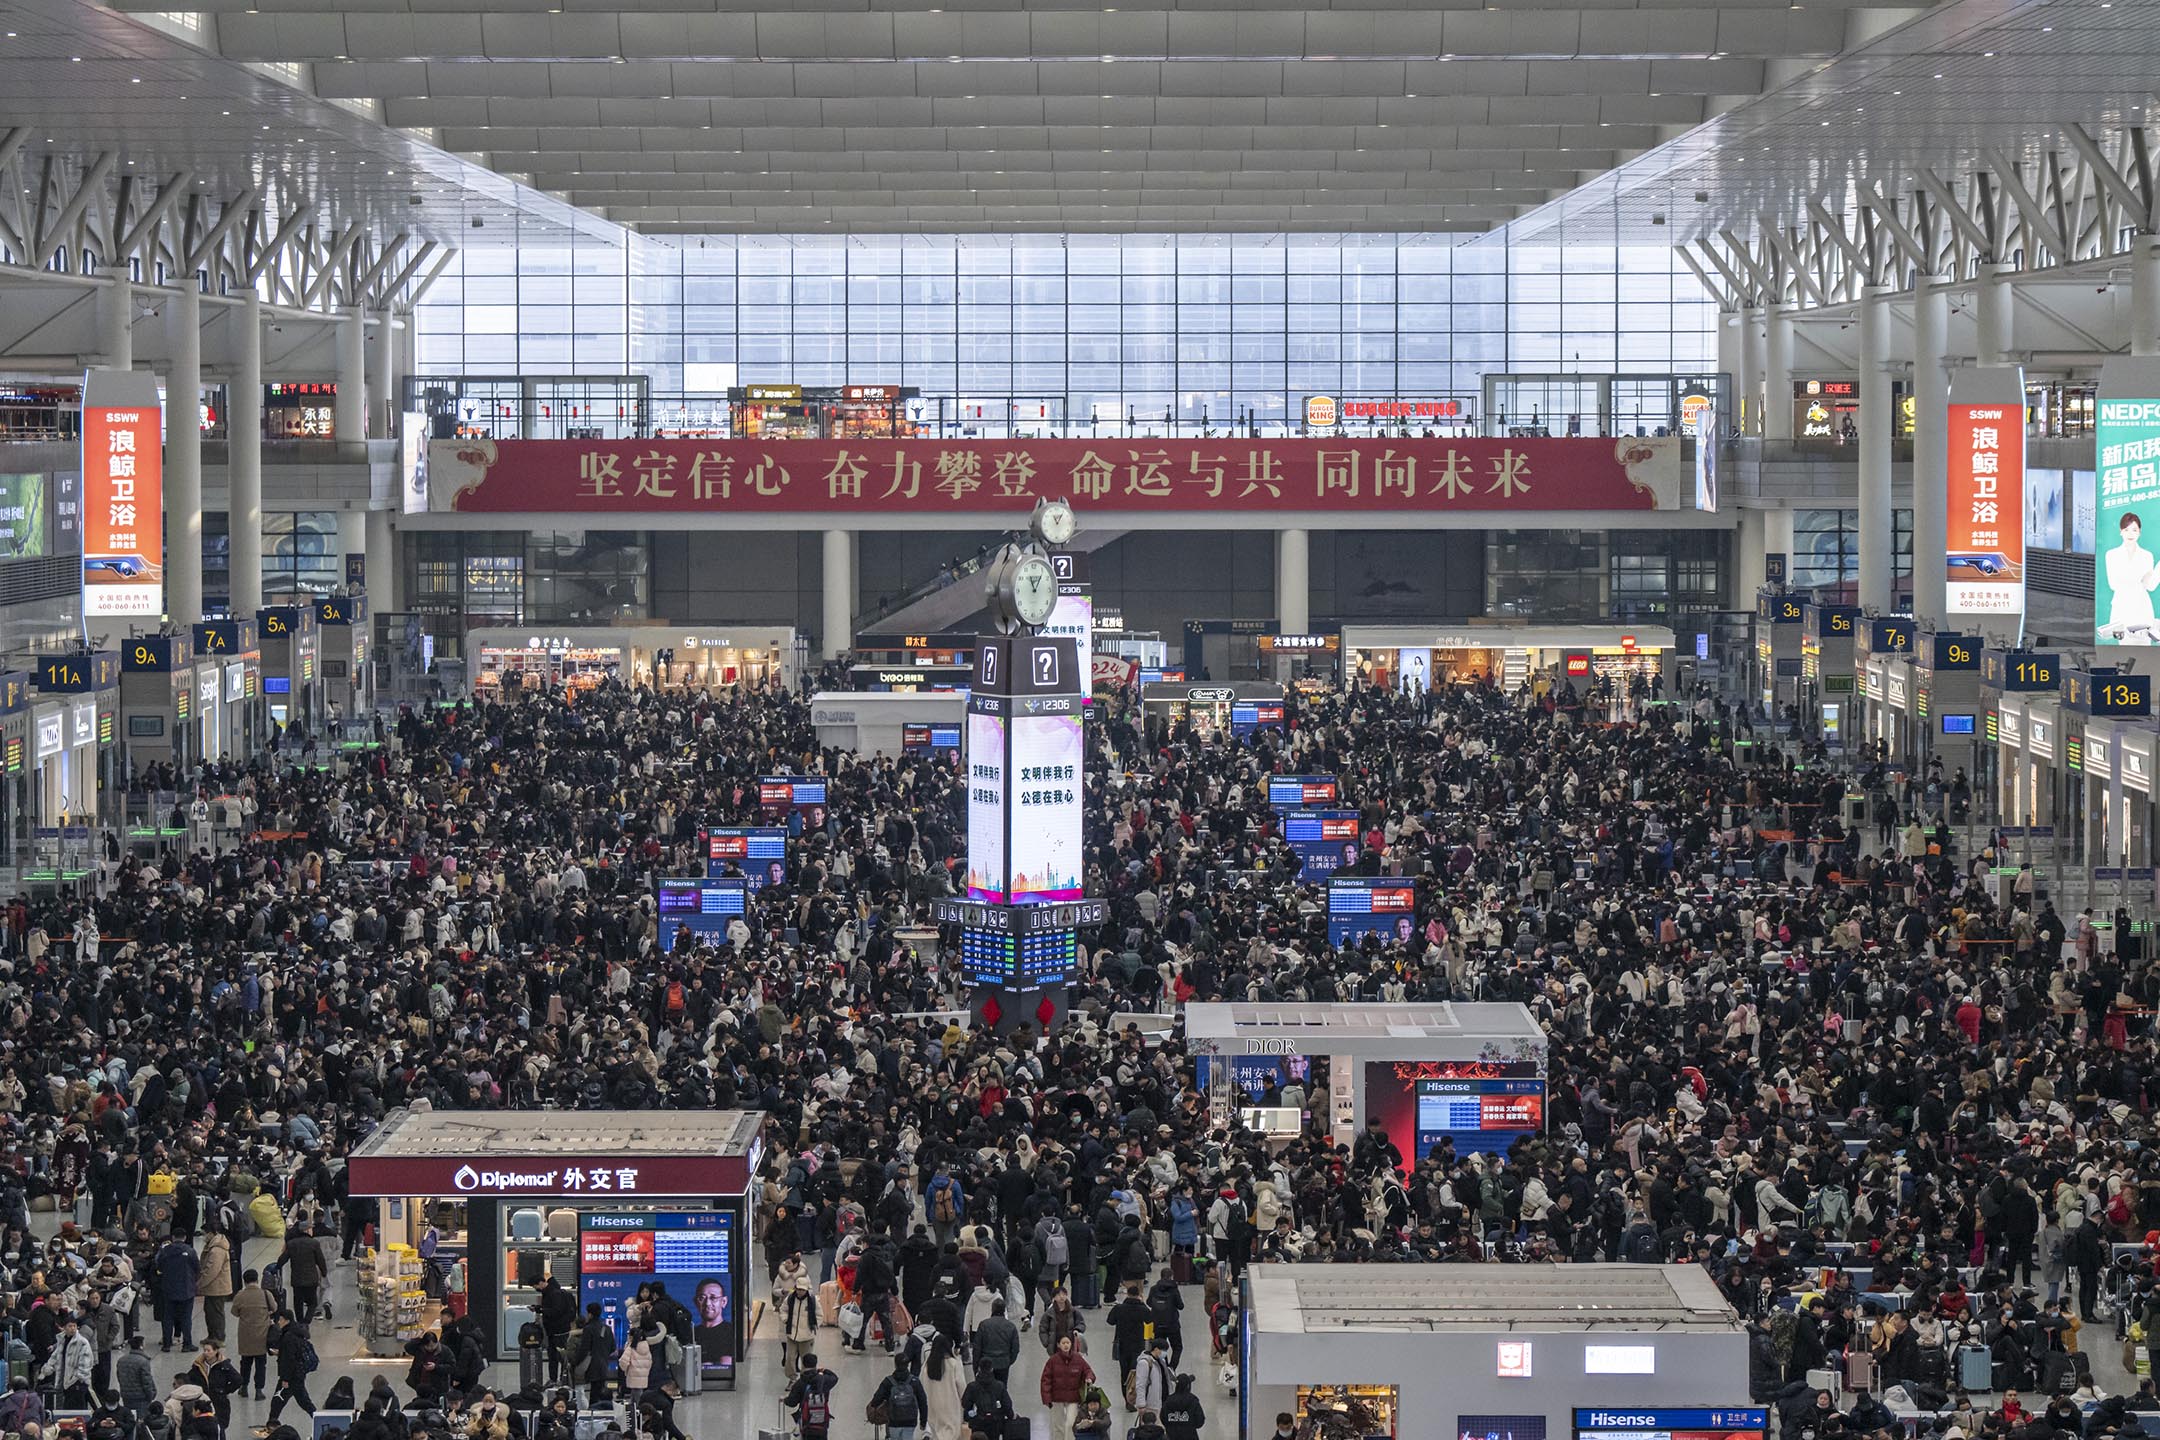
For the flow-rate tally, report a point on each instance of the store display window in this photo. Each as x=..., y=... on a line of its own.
x=1347, y=1412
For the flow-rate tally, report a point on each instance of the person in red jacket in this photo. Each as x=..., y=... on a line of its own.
x=1066, y=1376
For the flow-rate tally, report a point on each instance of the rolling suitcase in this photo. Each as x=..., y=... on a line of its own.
x=828, y=1303
x=1860, y=1371
x=525, y=1224
x=564, y=1268
x=692, y=1378
x=1975, y=1369
x=562, y=1224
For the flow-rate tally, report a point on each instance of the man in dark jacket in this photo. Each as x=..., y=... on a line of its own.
x=558, y=1317
x=294, y=1351
x=918, y=1267
x=591, y=1356
x=306, y=1266
x=987, y=1406
x=1129, y=1319
x=997, y=1342
x=1182, y=1416
x=177, y=1271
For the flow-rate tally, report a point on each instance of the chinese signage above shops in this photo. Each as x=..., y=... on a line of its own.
x=598, y=1174
x=1428, y=476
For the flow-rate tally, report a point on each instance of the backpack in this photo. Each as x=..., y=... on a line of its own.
x=1236, y=1218
x=816, y=1411
x=1643, y=1247
x=900, y=1407
x=941, y=1206
x=309, y=1360
x=675, y=995
x=1055, y=1250
x=2118, y=1208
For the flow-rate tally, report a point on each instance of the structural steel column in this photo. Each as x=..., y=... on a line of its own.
x=1931, y=479
x=1293, y=582
x=183, y=454
x=1876, y=424
x=839, y=594
x=244, y=441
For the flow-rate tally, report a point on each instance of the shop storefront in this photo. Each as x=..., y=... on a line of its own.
x=674, y=658
x=300, y=410
x=1405, y=657
x=601, y=1201
x=1827, y=669
x=894, y=723
x=821, y=412
x=1238, y=707
x=291, y=645
x=230, y=646
x=1494, y=1352
x=2028, y=763
x=1470, y=1074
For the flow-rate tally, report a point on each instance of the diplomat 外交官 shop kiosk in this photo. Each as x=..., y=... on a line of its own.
x=601, y=1200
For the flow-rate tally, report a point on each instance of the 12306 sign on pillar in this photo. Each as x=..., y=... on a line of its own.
x=123, y=505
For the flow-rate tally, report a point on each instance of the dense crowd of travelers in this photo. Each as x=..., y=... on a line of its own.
x=1901, y=1116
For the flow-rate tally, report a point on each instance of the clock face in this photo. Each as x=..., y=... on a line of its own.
x=1034, y=590
x=1058, y=522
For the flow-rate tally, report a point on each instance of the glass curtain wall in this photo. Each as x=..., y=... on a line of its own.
x=1075, y=331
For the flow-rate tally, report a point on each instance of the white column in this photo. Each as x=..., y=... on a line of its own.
x=351, y=539
x=1728, y=363
x=1293, y=582
x=1876, y=423
x=183, y=454
x=116, y=322
x=1996, y=314
x=382, y=576
x=2145, y=295
x=839, y=634
x=351, y=410
x=382, y=378
x=1778, y=536
x=1931, y=480
x=1777, y=374
x=243, y=465
x=1749, y=547
x=1747, y=378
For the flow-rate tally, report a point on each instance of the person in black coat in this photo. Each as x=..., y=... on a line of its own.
x=1129, y=1320
x=1182, y=1416
x=292, y=1346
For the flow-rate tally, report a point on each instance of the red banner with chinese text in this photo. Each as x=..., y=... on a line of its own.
x=972, y=476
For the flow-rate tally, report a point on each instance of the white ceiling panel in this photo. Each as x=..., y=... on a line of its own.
x=1336, y=114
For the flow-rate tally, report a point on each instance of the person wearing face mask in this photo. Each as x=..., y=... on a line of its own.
x=490, y=1420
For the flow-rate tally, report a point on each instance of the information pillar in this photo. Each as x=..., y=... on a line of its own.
x=1019, y=925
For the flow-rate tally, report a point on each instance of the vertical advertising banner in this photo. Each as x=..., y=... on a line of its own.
x=123, y=520
x=1046, y=860
x=986, y=808
x=1984, y=444
x=2126, y=438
